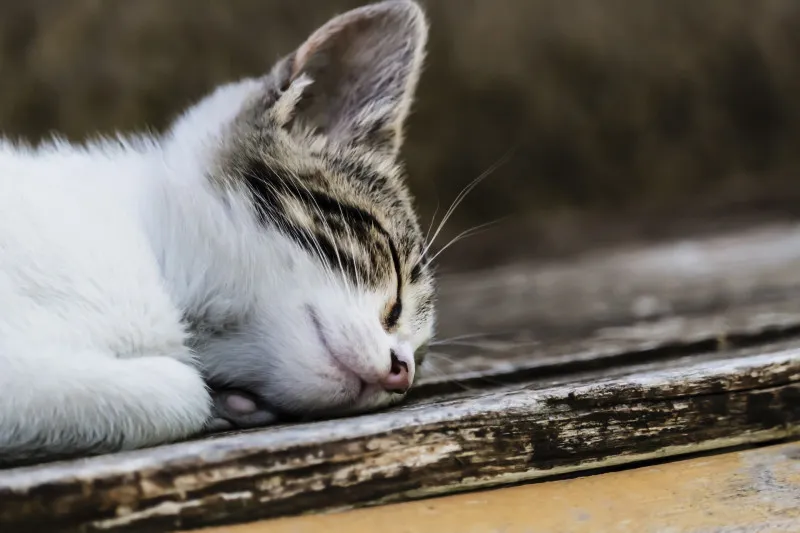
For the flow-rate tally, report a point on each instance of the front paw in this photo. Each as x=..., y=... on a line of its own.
x=218, y=425
x=235, y=409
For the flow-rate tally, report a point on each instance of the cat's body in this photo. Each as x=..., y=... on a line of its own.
x=265, y=244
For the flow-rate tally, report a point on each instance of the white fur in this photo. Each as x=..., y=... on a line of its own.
x=91, y=344
x=105, y=248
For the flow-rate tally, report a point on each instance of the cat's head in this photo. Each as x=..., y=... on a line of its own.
x=339, y=295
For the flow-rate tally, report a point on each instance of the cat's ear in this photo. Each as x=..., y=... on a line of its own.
x=363, y=67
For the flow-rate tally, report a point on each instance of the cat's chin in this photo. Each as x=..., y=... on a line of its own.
x=371, y=398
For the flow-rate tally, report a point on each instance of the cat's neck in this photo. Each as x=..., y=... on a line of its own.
x=200, y=235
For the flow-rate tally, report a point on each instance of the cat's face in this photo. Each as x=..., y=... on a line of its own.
x=349, y=300
x=342, y=298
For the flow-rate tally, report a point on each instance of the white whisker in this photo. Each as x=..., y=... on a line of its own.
x=463, y=235
x=463, y=194
x=433, y=219
x=438, y=342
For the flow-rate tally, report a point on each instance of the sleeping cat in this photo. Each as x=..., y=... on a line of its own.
x=260, y=261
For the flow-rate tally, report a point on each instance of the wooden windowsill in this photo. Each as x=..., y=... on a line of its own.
x=607, y=360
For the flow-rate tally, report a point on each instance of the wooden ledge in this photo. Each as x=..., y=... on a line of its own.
x=750, y=491
x=714, y=363
x=506, y=435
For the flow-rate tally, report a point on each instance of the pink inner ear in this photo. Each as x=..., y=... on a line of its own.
x=240, y=404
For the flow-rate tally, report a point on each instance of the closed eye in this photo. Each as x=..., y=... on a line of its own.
x=393, y=316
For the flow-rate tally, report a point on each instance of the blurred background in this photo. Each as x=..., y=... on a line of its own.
x=623, y=120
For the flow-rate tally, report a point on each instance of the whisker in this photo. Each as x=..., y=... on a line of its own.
x=431, y=365
x=447, y=357
x=487, y=345
x=463, y=194
x=465, y=234
x=438, y=342
x=433, y=219
x=455, y=368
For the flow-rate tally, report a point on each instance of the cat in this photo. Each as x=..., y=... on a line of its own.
x=259, y=261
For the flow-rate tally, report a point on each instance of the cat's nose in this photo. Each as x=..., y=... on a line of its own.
x=400, y=376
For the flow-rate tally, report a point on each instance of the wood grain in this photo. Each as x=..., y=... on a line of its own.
x=511, y=435
x=625, y=285
x=503, y=358
x=610, y=360
x=752, y=491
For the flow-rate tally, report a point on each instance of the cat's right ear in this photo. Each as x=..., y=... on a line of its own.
x=354, y=78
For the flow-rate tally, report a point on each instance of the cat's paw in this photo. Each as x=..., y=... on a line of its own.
x=235, y=409
x=218, y=425
x=156, y=400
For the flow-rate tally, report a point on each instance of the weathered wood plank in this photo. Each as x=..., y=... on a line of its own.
x=603, y=288
x=521, y=356
x=511, y=434
x=613, y=359
x=752, y=491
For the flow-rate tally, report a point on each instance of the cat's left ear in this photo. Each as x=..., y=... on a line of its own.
x=363, y=67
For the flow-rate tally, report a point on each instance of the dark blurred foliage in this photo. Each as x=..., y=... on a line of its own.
x=628, y=119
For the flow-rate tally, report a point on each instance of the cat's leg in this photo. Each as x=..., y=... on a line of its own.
x=91, y=402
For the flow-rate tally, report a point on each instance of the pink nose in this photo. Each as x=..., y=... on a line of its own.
x=399, y=378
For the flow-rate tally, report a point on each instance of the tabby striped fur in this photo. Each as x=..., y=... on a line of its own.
x=260, y=261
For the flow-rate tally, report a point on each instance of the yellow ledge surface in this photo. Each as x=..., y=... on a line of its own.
x=748, y=491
